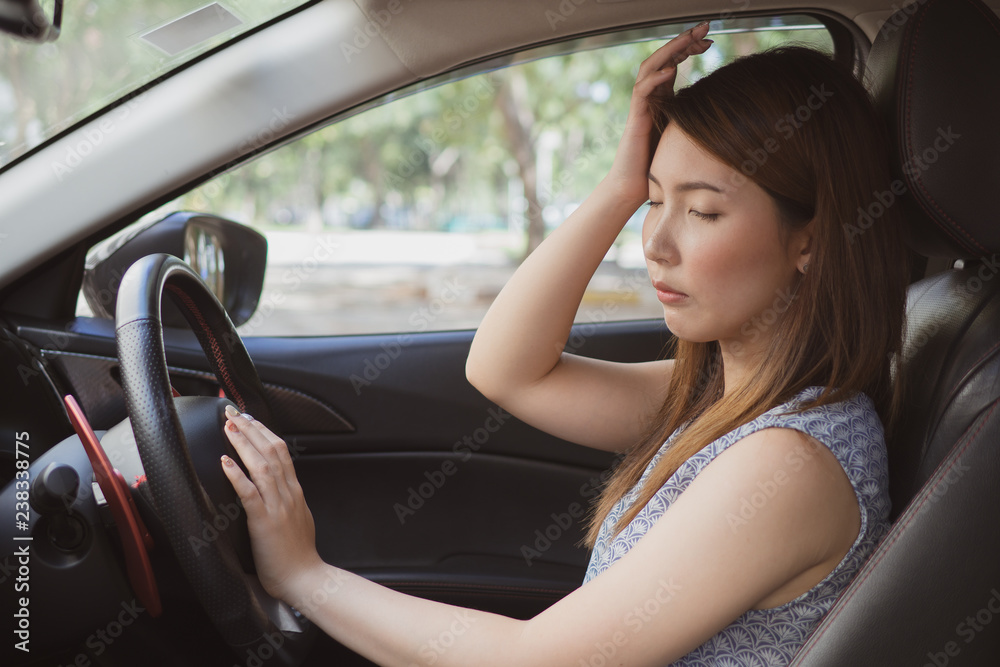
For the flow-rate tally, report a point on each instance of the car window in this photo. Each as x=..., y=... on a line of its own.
x=411, y=216
x=105, y=53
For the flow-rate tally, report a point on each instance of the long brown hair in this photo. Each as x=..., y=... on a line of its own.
x=805, y=130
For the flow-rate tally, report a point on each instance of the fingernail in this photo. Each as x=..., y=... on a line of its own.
x=228, y=462
x=232, y=426
x=701, y=24
x=710, y=41
x=231, y=411
x=246, y=415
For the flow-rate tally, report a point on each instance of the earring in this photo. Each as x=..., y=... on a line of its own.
x=805, y=267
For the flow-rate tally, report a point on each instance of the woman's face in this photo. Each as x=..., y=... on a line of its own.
x=716, y=255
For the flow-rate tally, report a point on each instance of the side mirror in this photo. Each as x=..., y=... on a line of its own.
x=26, y=19
x=228, y=256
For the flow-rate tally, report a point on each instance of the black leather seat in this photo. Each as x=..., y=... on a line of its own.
x=930, y=594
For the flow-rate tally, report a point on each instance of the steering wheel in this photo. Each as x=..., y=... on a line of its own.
x=248, y=619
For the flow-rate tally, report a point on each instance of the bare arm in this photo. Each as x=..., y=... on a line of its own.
x=517, y=357
x=658, y=602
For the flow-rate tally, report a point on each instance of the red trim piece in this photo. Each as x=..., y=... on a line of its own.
x=135, y=538
x=175, y=392
x=220, y=359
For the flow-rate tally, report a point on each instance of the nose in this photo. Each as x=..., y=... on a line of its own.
x=658, y=242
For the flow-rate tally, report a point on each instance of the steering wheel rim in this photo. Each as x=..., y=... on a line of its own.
x=231, y=598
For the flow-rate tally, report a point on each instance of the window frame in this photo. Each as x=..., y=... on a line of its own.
x=850, y=46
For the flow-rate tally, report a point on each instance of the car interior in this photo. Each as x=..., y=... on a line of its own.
x=417, y=481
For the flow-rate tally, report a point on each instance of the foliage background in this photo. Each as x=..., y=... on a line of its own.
x=455, y=182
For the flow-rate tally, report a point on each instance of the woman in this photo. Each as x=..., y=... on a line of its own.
x=781, y=372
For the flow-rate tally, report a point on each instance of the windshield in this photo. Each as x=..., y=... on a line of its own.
x=107, y=50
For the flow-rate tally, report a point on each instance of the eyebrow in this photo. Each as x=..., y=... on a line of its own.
x=688, y=186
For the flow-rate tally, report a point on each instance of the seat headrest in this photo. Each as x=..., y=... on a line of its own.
x=933, y=71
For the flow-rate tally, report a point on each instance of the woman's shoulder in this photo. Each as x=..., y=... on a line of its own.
x=850, y=428
x=853, y=417
x=845, y=426
x=852, y=402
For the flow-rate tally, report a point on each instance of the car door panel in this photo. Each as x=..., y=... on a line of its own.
x=418, y=482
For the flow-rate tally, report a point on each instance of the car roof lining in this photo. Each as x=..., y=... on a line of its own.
x=523, y=23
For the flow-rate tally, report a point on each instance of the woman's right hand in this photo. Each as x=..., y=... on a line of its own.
x=656, y=78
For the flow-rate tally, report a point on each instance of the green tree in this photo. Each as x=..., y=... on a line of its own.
x=522, y=144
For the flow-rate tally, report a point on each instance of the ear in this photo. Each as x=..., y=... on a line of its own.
x=801, y=246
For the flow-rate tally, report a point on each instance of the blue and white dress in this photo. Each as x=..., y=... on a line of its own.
x=770, y=637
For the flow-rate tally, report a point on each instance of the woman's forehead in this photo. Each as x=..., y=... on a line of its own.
x=680, y=164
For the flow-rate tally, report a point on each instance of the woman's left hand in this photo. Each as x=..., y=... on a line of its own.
x=282, y=531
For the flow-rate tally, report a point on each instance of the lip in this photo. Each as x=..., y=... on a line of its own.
x=667, y=294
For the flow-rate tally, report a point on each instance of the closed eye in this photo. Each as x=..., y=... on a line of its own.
x=710, y=217
x=652, y=203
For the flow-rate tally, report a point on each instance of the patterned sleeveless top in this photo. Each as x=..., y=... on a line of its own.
x=770, y=637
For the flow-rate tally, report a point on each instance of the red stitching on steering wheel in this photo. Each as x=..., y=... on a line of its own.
x=220, y=358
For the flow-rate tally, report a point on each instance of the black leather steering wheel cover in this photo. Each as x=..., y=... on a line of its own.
x=181, y=504
x=208, y=319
